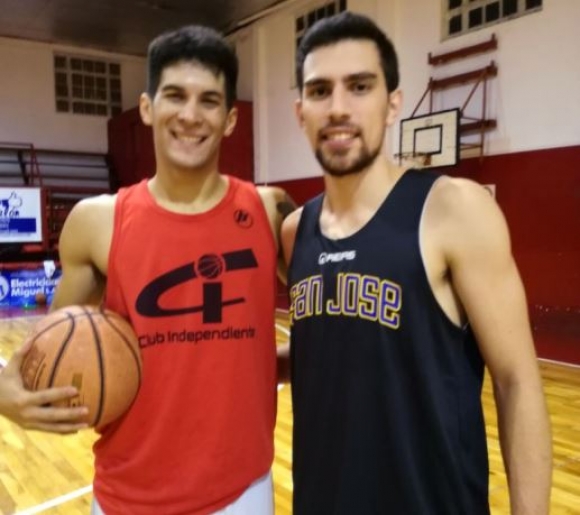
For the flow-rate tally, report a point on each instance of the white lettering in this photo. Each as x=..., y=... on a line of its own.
x=336, y=257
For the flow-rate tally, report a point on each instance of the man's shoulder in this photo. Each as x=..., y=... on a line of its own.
x=276, y=201
x=98, y=203
x=290, y=223
x=94, y=209
x=454, y=195
x=463, y=212
x=270, y=193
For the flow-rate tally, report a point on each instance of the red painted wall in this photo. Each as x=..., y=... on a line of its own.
x=237, y=151
x=302, y=190
x=131, y=155
x=539, y=193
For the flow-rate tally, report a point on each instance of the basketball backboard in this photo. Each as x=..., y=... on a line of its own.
x=431, y=140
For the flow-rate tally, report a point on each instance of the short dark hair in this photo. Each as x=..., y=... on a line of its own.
x=343, y=26
x=193, y=43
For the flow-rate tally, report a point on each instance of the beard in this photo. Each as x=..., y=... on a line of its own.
x=337, y=167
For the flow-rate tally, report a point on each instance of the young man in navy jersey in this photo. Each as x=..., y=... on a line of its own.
x=403, y=288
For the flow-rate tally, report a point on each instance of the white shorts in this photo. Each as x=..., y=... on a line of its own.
x=258, y=499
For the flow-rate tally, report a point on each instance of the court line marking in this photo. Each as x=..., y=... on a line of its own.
x=57, y=501
x=287, y=333
x=563, y=363
x=283, y=329
x=22, y=317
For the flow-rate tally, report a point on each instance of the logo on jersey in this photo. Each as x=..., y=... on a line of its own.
x=349, y=295
x=209, y=266
x=243, y=218
x=336, y=257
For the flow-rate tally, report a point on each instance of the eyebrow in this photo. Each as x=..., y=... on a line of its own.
x=209, y=92
x=212, y=93
x=167, y=87
x=349, y=78
x=361, y=76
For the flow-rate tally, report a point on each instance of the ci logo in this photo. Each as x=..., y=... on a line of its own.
x=243, y=218
x=209, y=266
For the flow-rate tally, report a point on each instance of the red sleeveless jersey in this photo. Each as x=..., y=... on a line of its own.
x=199, y=291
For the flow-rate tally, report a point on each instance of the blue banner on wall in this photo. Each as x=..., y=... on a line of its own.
x=20, y=288
x=20, y=215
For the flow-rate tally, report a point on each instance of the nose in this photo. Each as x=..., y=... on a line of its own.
x=190, y=112
x=339, y=105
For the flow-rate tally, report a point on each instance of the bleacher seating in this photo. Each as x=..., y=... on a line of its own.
x=65, y=177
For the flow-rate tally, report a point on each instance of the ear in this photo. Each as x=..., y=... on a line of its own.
x=395, y=104
x=298, y=112
x=145, y=109
x=231, y=121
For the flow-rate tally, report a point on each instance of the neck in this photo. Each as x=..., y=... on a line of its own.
x=188, y=191
x=367, y=188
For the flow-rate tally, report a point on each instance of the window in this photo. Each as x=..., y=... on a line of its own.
x=462, y=16
x=305, y=21
x=87, y=86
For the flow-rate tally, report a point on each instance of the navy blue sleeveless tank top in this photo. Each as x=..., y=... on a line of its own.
x=386, y=389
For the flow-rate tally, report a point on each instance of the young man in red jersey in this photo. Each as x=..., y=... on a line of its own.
x=199, y=437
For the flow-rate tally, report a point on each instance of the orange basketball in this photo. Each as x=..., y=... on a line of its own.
x=94, y=350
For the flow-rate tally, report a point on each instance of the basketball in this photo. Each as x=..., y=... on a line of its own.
x=93, y=349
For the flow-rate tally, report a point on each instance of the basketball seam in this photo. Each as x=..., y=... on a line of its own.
x=63, y=346
x=108, y=318
x=36, y=336
x=99, y=351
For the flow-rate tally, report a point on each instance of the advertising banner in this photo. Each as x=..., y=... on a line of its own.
x=27, y=287
x=20, y=215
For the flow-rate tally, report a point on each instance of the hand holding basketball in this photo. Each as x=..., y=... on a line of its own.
x=92, y=349
x=31, y=410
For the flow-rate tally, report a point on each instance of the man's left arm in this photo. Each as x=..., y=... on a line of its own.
x=278, y=205
x=486, y=279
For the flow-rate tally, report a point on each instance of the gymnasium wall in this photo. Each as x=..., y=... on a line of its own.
x=539, y=193
x=534, y=99
x=27, y=105
x=535, y=95
x=243, y=41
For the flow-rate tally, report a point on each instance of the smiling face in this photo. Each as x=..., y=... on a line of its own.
x=345, y=108
x=189, y=117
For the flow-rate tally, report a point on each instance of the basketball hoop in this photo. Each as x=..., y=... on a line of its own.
x=430, y=140
x=415, y=159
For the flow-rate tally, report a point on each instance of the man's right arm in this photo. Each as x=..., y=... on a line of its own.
x=81, y=283
x=83, y=250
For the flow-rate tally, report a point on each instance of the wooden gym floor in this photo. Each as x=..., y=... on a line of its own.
x=41, y=473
